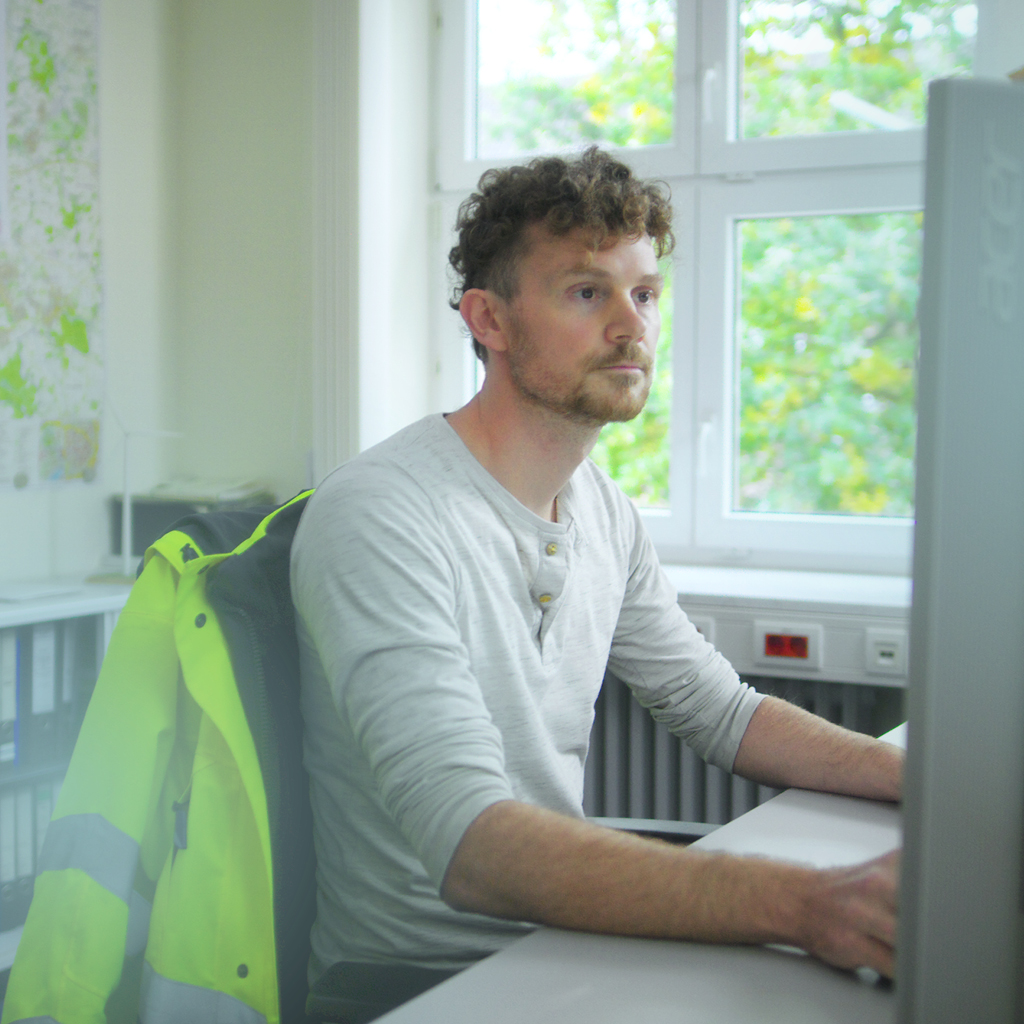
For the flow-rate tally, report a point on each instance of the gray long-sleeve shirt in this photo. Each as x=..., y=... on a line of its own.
x=453, y=644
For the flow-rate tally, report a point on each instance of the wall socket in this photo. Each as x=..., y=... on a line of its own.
x=885, y=652
x=797, y=645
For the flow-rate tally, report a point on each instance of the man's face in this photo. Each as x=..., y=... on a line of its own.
x=584, y=326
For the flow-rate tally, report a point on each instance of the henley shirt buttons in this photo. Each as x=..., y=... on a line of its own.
x=552, y=549
x=544, y=598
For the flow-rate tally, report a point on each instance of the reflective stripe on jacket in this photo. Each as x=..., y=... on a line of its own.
x=185, y=790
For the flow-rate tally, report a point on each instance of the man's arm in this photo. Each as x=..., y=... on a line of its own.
x=786, y=746
x=522, y=862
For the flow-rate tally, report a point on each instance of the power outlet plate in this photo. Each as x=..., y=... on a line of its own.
x=798, y=644
x=885, y=652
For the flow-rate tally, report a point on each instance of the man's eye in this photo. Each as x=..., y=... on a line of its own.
x=645, y=296
x=587, y=293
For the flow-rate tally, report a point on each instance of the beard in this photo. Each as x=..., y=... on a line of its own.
x=586, y=395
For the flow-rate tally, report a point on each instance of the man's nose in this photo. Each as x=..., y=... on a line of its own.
x=626, y=324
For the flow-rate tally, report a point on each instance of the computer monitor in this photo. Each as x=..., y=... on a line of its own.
x=960, y=943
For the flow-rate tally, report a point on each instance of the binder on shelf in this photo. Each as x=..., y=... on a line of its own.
x=17, y=855
x=24, y=691
x=24, y=845
x=67, y=730
x=8, y=699
x=105, y=624
x=92, y=646
x=44, y=801
x=8, y=862
x=24, y=815
x=42, y=738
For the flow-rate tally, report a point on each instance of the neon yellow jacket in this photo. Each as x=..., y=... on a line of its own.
x=185, y=790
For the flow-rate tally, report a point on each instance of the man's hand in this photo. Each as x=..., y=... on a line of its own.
x=851, y=915
x=522, y=862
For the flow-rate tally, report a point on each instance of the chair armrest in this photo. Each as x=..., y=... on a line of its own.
x=659, y=828
x=356, y=993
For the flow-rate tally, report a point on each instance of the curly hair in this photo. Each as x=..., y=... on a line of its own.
x=594, y=192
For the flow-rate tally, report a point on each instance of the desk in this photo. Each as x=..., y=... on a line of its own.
x=556, y=977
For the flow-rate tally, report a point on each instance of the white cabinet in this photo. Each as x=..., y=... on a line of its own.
x=52, y=642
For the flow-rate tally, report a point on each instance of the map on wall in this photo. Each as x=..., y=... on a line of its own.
x=51, y=351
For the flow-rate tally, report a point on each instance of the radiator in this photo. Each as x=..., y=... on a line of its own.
x=638, y=769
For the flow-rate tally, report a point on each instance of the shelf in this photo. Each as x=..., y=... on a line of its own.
x=77, y=600
x=29, y=776
x=54, y=636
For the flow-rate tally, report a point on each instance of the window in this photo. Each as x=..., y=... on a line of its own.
x=871, y=79
x=824, y=414
x=637, y=454
x=552, y=75
x=807, y=291
x=781, y=426
x=520, y=77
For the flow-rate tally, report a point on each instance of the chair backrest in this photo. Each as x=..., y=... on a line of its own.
x=251, y=595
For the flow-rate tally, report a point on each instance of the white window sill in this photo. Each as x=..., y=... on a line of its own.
x=813, y=591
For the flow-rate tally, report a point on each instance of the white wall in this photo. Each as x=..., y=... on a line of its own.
x=63, y=530
x=239, y=385
x=206, y=178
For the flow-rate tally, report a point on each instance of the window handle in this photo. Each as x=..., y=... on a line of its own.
x=707, y=430
x=711, y=76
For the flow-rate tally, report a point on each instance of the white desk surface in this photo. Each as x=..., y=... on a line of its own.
x=556, y=977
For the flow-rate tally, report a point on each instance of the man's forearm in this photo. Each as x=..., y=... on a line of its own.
x=787, y=746
x=522, y=862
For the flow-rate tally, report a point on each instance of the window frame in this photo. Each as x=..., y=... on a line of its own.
x=835, y=538
x=667, y=525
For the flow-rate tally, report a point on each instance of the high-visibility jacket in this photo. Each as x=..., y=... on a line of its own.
x=185, y=791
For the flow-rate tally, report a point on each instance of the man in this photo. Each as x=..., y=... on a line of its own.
x=460, y=589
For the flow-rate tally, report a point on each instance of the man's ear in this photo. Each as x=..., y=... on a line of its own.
x=486, y=315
